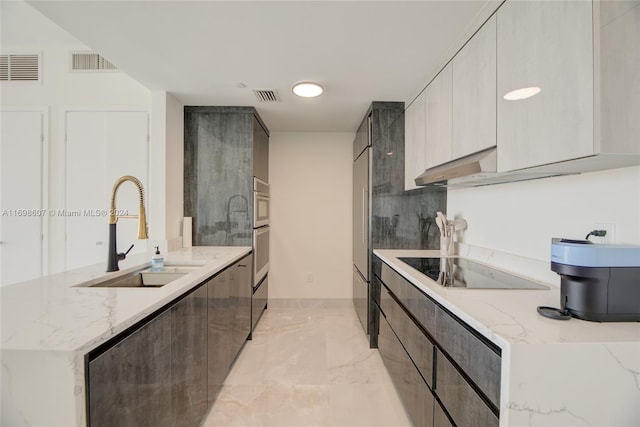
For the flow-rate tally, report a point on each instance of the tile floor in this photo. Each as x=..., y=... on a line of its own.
x=308, y=367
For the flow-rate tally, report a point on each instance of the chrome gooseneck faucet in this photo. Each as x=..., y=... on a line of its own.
x=114, y=256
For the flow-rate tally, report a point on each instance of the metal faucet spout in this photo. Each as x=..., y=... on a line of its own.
x=114, y=256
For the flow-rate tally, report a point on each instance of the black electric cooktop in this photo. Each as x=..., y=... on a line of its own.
x=464, y=273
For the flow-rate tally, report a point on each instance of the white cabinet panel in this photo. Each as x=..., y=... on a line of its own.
x=438, y=131
x=101, y=147
x=546, y=44
x=414, y=140
x=474, y=93
x=21, y=198
x=620, y=76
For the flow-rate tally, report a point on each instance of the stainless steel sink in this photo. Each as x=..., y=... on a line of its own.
x=144, y=278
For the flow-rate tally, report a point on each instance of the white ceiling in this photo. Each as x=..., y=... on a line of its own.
x=361, y=51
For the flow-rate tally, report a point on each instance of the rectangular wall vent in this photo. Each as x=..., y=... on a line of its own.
x=267, y=95
x=90, y=61
x=20, y=67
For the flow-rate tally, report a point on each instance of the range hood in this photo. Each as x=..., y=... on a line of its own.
x=481, y=163
x=480, y=169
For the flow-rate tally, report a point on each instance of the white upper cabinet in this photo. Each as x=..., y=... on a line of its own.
x=474, y=93
x=415, y=117
x=545, y=44
x=619, y=66
x=439, y=118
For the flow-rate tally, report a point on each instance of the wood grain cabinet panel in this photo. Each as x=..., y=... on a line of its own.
x=220, y=331
x=189, y=359
x=414, y=393
x=418, y=346
x=463, y=404
x=439, y=118
x=421, y=307
x=547, y=44
x=480, y=362
x=474, y=93
x=415, y=117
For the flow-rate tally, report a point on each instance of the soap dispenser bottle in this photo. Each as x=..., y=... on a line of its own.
x=157, y=261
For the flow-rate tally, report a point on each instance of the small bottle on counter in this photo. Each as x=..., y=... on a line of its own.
x=157, y=261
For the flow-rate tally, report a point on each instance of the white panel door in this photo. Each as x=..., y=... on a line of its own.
x=474, y=93
x=439, y=118
x=415, y=127
x=101, y=147
x=21, y=199
x=545, y=44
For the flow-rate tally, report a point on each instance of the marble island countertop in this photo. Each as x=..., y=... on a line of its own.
x=50, y=323
x=554, y=373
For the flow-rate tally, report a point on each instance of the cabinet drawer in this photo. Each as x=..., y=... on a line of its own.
x=414, y=394
x=477, y=359
x=418, y=304
x=440, y=419
x=464, y=405
x=416, y=343
x=259, y=301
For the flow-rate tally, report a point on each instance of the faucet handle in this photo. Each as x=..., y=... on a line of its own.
x=123, y=255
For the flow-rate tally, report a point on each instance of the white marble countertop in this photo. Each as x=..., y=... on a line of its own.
x=509, y=316
x=54, y=313
x=554, y=373
x=50, y=324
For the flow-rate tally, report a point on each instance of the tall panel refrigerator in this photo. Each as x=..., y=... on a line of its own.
x=384, y=215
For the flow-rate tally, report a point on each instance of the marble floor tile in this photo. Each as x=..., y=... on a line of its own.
x=308, y=366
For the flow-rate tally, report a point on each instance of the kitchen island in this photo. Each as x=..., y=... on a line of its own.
x=50, y=324
x=552, y=373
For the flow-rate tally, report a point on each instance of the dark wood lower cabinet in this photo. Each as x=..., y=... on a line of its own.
x=168, y=369
x=464, y=370
x=140, y=381
x=229, y=307
x=259, y=301
x=440, y=418
x=189, y=359
x=413, y=391
x=463, y=404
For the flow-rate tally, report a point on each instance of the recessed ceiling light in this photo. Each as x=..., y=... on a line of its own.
x=307, y=89
x=523, y=93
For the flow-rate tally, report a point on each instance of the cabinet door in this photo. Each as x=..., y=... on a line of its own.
x=414, y=393
x=189, y=359
x=220, y=329
x=361, y=213
x=361, y=299
x=415, y=128
x=130, y=383
x=474, y=93
x=438, y=131
x=619, y=26
x=547, y=44
x=463, y=404
x=260, y=151
x=241, y=300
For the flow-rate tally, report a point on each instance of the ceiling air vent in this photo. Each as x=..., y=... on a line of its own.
x=20, y=67
x=267, y=95
x=90, y=61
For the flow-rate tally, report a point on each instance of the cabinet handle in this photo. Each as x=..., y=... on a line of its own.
x=364, y=215
x=242, y=265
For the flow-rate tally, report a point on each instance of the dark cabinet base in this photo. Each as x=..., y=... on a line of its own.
x=168, y=369
x=259, y=303
x=413, y=391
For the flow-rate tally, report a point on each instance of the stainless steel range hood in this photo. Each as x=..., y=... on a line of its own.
x=480, y=169
x=474, y=166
